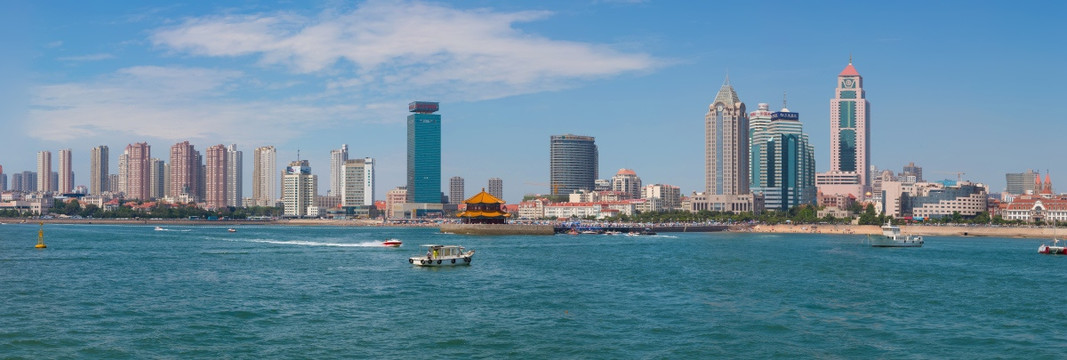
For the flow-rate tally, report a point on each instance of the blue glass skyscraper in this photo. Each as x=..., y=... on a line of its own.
x=424, y=153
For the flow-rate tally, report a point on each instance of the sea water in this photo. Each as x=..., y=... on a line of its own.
x=102, y=291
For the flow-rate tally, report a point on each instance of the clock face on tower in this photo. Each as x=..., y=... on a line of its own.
x=848, y=83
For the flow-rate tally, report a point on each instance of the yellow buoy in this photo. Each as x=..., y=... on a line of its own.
x=40, y=237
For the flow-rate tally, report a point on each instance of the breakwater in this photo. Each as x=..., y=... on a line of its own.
x=497, y=229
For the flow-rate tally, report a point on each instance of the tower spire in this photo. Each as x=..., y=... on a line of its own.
x=784, y=94
x=727, y=82
x=850, y=58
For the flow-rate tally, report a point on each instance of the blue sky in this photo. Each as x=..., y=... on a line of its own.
x=953, y=86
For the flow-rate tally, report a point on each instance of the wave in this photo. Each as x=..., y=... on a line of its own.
x=312, y=243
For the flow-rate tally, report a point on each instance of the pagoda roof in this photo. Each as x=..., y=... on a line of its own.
x=483, y=198
x=849, y=71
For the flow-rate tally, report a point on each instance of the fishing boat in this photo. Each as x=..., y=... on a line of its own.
x=392, y=243
x=891, y=237
x=443, y=255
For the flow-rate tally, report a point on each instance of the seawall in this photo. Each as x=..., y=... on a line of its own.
x=497, y=229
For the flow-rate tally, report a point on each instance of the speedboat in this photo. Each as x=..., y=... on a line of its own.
x=1054, y=249
x=891, y=237
x=443, y=255
x=159, y=228
x=392, y=243
x=231, y=230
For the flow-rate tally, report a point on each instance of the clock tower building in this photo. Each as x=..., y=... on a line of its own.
x=849, y=138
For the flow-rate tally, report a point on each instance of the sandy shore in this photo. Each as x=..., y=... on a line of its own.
x=925, y=230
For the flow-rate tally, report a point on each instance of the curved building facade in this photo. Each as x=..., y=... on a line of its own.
x=573, y=164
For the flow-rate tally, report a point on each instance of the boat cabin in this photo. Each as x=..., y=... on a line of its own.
x=443, y=251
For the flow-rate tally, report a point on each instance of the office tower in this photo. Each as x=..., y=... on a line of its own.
x=185, y=171
x=357, y=183
x=157, y=172
x=726, y=156
x=44, y=170
x=234, y=176
x=496, y=188
x=66, y=173
x=424, y=153
x=849, y=138
x=120, y=185
x=98, y=170
x=215, y=194
x=573, y=163
x=456, y=190
x=138, y=171
x=3, y=179
x=626, y=181
x=783, y=160
x=1022, y=183
x=298, y=188
x=337, y=160
x=263, y=176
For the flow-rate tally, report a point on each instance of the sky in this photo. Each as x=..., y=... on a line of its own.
x=954, y=86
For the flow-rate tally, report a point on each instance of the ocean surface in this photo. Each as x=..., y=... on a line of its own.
x=101, y=291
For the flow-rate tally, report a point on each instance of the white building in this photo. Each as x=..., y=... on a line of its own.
x=264, y=176
x=669, y=196
x=298, y=188
x=598, y=210
x=337, y=162
x=627, y=182
x=234, y=176
x=357, y=183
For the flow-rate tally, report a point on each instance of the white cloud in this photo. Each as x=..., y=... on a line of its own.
x=169, y=103
x=89, y=57
x=404, y=45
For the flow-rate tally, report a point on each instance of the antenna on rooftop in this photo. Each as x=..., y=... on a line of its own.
x=297, y=154
x=784, y=94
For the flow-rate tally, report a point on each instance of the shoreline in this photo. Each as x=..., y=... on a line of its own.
x=924, y=230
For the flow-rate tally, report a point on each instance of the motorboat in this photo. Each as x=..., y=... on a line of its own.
x=647, y=231
x=159, y=228
x=392, y=243
x=231, y=230
x=891, y=237
x=1054, y=249
x=443, y=255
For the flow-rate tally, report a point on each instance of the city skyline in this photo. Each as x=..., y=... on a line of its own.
x=88, y=75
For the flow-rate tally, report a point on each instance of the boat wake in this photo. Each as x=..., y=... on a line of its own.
x=179, y=230
x=312, y=243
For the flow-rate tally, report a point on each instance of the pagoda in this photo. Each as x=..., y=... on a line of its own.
x=484, y=208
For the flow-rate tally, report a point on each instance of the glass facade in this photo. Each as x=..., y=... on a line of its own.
x=846, y=151
x=848, y=94
x=424, y=158
x=573, y=163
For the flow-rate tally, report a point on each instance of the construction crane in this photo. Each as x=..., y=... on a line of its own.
x=959, y=174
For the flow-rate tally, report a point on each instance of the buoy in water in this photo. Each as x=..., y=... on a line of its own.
x=40, y=237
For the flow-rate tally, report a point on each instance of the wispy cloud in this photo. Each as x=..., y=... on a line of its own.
x=336, y=67
x=89, y=57
x=477, y=52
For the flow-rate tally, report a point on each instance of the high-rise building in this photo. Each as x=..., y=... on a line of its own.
x=215, y=176
x=424, y=153
x=66, y=173
x=574, y=163
x=25, y=181
x=113, y=183
x=98, y=170
x=298, y=188
x=3, y=179
x=626, y=181
x=1022, y=183
x=912, y=170
x=138, y=171
x=185, y=171
x=496, y=188
x=670, y=196
x=726, y=156
x=44, y=170
x=264, y=186
x=337, y=161
x=783, y=160
x=234, y=176
x=357, y=188
x=393, y=199
x=157, y=183
x=850, y=131
x=120, y=185
x=456, y=190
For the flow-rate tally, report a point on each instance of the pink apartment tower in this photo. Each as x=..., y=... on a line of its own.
x=215, y=177
x=138, y=172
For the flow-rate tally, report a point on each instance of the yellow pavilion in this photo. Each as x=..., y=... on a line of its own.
x=484, y=208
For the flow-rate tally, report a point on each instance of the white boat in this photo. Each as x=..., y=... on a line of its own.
x=231, y=230
x=1054, y=249
x=392, y=243
x=443, y=255
x=891, y=237
x=159, y=228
